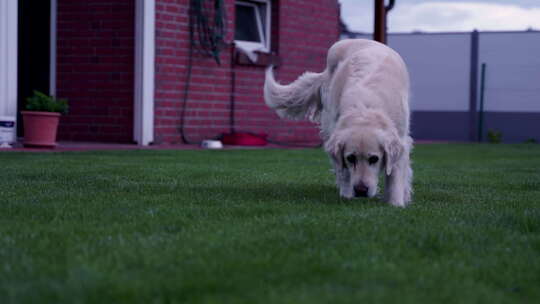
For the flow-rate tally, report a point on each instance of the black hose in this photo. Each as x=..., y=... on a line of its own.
x=209, y=42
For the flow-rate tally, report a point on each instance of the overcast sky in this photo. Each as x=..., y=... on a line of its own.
x=445, y=15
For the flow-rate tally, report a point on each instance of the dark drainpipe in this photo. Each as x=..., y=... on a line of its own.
x=379, y=32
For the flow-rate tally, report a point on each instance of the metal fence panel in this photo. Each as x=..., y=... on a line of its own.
x=512, y=71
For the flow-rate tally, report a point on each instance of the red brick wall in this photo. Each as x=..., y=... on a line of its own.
x=95, y=57
x=307, y=28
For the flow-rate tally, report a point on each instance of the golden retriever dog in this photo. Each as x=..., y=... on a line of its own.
x=360, y=102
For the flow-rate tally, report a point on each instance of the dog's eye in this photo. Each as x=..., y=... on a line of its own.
x=373, y=159
x=351, y=158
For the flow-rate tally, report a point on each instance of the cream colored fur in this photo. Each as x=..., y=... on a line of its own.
x=361, y=103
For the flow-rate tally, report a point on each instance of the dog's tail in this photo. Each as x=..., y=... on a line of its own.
x=297, y=100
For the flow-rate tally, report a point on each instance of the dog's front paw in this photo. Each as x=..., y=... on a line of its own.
x=395, y=200
x=398, y=203
x=346, y=193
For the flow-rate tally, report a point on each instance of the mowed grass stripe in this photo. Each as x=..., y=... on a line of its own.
x=266, y=226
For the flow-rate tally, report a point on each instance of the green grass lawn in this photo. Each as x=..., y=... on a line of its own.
x=266, y=226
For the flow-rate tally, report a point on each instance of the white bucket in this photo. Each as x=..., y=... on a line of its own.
x=7, y=130
x=211, y=144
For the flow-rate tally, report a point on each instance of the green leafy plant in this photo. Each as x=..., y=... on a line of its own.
x=494, y=136
x=42, y=102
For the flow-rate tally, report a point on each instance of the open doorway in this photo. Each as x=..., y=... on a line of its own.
x=34, y=51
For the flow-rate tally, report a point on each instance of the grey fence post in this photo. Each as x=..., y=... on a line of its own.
x=481, y=110
x=473, y=87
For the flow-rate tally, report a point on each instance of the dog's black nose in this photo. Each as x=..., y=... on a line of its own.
x=360, y=190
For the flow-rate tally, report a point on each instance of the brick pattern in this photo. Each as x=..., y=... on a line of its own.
x=307, y=28
x=95, y=65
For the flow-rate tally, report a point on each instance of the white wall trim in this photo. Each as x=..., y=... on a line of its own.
x=8, y=58
x=52, y=59
x=143, y=122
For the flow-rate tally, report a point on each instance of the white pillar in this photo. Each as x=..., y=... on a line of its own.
x=8, y=57
x=143, y=122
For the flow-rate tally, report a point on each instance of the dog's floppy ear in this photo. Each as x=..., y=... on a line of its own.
x=393, y=150
x=335, y=146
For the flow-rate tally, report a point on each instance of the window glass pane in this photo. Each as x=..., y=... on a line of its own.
x=246, y=24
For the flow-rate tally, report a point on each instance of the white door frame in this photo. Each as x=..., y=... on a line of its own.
x=9, y=19
x=8, y=57
x=52, y=59
x=143, y=120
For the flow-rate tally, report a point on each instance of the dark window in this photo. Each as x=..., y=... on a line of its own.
x=246, y=24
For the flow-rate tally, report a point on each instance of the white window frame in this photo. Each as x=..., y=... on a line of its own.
x=264, y=33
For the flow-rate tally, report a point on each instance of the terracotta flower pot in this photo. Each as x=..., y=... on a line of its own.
x=40, y=128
